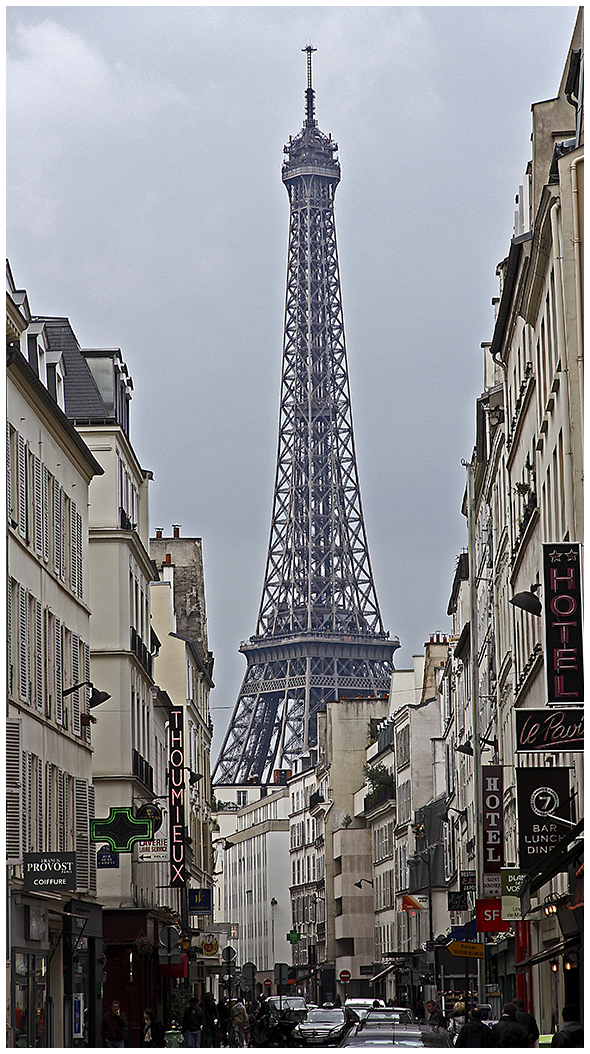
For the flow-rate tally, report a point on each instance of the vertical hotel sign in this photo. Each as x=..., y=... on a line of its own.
x=176, y=798
x=562, y=595
x=493, y=819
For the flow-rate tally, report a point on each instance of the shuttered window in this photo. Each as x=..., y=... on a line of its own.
x=92, y=846
x=23, y=645
x=56, y=527
x=27, y=803
x=61, y=811
x=9, y=582
x=14, y=781
x=38, y=654
x=76, y=680
x=39, y=810
x=82, y=834
x=49, y=821
x=57, y=657
x=8, y=472
x=86, y=677
x=79, y=554
x=45, y=507
x=37, y=508
x=21, y=485
x=73, y=549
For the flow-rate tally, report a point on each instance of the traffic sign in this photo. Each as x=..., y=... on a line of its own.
x=228, y=954
x=267, y=982
x=169, y=936
x=468, y=949
x=345, y=976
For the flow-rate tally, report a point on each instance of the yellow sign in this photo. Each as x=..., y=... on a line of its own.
x=468, y=949
x=209, y=945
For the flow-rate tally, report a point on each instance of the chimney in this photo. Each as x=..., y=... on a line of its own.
x=159, y=532
x=176, y=530
x=168, y=558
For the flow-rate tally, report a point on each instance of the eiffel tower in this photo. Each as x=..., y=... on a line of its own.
x=319, y=635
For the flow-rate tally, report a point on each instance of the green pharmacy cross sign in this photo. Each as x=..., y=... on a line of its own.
x=121, y=829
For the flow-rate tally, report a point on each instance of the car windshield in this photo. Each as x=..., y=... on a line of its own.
x=333, y=1017
x=389, y=1017
x=287, y=1002
x=398, y=1036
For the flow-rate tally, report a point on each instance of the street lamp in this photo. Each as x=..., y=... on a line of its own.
x=369, y=882
x=96, y=697
x=528, y=601
x=466, y=748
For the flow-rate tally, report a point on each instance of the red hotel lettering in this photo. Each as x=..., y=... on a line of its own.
x=176, y=798
x=570, y=578
x=493, y=820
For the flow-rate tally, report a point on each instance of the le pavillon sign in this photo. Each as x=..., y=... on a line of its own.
x=493, y=819
x=562, y=599
x=556, y=729
x=542, y=797
x=176, y=799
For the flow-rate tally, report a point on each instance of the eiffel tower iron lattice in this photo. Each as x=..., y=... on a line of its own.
x=319, y=634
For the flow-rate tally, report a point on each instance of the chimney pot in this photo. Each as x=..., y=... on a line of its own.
x=168, y=558
x=159, y=532
x=176, y=529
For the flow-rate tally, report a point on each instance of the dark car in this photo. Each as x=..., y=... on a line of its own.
x=324, y=1027
x=396, y=1034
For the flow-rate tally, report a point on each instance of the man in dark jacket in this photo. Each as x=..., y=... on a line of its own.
x=508, y=1023
x=475, y=1033
x=571, y=1033
x=113, y=1026
x=192, y=1024
x=527, y=1020
x=434, y=1016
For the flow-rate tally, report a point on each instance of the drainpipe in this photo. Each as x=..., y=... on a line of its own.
x=578, y=285
x=561, y=350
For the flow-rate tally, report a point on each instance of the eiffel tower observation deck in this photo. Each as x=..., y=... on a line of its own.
x=319, y=635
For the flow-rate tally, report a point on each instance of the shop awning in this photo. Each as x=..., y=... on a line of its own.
x=549, y=953
x=392, y=966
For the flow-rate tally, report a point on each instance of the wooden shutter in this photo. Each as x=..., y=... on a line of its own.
x=59, y=709
x=82, y=831
x=91, y=845
x=14, y=762
x=45, y=516
x=8, y=473
x=38, y=655
x=9, y=631
x=39, y=807
x=56, y=527
x=73, y=550
x=49, y=807
x=27, y=802
x=46, y=664
x=23, y=644
x=22, y=486
x=86, y=677
x=79, y=553
x=62, y=534
x=37, y=508
x=76, y=680
x=61, y=811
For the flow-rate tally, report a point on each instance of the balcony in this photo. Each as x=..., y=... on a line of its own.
x=141, y=652
x=142, y=769
x=316, y=799
x=379, y=796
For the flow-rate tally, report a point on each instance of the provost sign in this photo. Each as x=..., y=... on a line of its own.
x=49, y=871
x=493, y=819
x=176, y=798
x=562, y=600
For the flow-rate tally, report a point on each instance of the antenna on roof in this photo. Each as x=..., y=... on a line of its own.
x=309, y=94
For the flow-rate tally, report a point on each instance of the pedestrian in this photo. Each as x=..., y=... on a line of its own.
x=435, y=1016
x=151, y=1030
x=516, y=1034
x=474, y=1033
x=224, y=1019
x=239, y=1019
x=210, y=1035
x=526, y=1020
x=113, y=1027
x=192, y=1024
x=571, y=1033
x=456, y=1020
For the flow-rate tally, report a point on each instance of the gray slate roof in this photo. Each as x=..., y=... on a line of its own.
x=82, y=397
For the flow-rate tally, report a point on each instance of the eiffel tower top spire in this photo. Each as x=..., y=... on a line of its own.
x=309, y=94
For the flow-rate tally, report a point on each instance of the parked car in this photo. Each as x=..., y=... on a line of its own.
x=396, y=1035
x=362, y=1006
x=389, y=1015
x=324, y=1027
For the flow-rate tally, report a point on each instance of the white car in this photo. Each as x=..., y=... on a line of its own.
x=362, y=1006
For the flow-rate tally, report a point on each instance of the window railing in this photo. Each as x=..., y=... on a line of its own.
x=142, y=769
x=141, y=652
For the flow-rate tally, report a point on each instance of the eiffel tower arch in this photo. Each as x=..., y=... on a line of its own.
x=319, y=634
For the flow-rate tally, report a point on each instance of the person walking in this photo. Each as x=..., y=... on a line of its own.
x=434, y=1016
x=151, y=1030
x=571, y=1033
x=456, y=1020
x=508, y=1032
x=224, y=1019
x=113, y=1027
x=192, y=1024
x=526, y=1020
x=239, y=1019
x=474, y=1033
x=210, y=1036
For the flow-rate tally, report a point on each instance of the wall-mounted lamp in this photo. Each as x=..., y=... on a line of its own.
x=369, y=882
x=226, y=843
x=528, y=601
x=445, y=815
x=96, y=697
x=466, y=748
x=570, y=961
x=554, y=966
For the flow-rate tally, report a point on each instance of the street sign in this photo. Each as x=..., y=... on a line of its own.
x=121, y=829
x=169, y=936
x=228, y=954
x=489, y=916
x=281, y=973
x=468, y=949
x=249, y=975
x=106, y=858
x=267, y=982
x=345, y=976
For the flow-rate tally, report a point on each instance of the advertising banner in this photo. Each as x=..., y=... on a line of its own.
x=156, y=849
x=467, y=881
x=176, y=798
x=49, y=871
x=562, y=600
x=555, y=729
x=493, y=819
x=199, y=901
x=543, y=810
x=489, y=917
x=511, y=879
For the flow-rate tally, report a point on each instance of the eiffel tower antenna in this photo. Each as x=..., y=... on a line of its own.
x=319, y=634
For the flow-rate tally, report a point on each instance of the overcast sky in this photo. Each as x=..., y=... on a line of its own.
x=145, y=203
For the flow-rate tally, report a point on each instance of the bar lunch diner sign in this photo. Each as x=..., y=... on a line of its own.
x=556, y=729
x=49, y=871
x=562, y=600
x=543, y=806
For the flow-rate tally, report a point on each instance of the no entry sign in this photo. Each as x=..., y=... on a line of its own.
x=345, y=976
